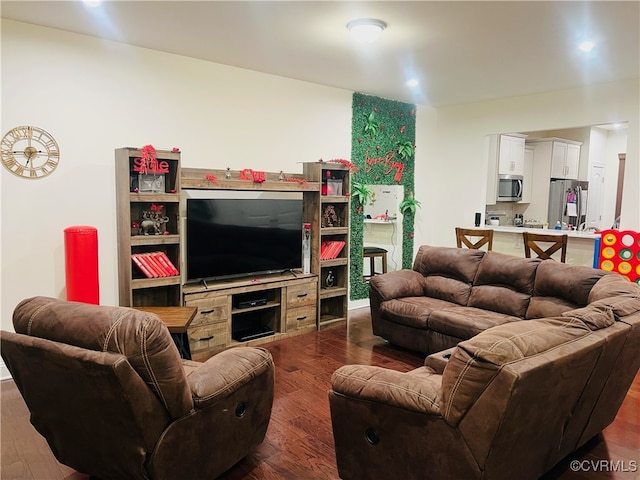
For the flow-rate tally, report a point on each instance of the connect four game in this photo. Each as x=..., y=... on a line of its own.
x=620, y=252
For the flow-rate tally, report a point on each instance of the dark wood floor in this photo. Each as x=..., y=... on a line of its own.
x=299, y=443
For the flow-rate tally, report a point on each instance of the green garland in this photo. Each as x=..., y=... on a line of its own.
x=383, y=148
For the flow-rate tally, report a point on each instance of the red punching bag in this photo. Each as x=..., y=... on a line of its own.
x=81, y=264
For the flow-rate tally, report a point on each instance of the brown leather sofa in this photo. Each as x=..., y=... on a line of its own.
x=107, y=389
x=511, y=401
x=452, y=294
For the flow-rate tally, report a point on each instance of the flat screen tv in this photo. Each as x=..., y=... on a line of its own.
x=236, y=237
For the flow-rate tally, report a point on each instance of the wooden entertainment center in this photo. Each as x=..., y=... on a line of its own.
x=286, y=304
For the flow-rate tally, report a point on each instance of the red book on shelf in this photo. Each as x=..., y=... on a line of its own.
x=140, y=264
x=328, y=254
x=324, y=247
x=150, y=264
x=166, y=263
x=336, y=249
x=153, y=260
x=330, y=249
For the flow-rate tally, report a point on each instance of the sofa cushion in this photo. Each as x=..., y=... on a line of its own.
x=139, y=336
x=560, y=287
x=466, y=322
x=593, y=316
x=449, y=272
x=475, y=362
x=411, y=311
x=541, y=307
x=609, y=285
x=504, y=284
x=397, y=284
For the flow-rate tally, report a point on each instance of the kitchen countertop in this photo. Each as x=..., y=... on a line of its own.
x=548, y=231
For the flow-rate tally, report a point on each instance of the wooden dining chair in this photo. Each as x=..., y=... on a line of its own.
x=474, y=238
x=545, y=245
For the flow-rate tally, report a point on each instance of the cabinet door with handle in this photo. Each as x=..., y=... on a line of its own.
x=511, y=155
x=301, y=317
x=210, y=310
x=213, y=337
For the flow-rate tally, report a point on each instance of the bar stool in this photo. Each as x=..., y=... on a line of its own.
x=551, y=244
x=372, y=253
x=469, y=237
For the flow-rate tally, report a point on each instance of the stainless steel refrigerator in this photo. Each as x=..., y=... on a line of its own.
x=567, y=203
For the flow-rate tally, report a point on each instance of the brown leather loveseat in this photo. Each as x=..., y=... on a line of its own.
x=107, y=389
x=509, y=402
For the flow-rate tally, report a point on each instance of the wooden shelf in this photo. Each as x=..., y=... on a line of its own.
x=134, y=289
x=329, y=210
x=334, y=230
x=195, y=179
x=332, y=292
x=267, y=305
x=334, y=199
x=138, y=283
x=154, y=197
x=137, y=240
x=334, y=262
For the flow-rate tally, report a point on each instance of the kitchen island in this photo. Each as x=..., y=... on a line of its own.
x=580, y=245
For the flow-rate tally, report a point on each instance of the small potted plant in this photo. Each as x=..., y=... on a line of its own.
x=409, y=204
x=361, y=192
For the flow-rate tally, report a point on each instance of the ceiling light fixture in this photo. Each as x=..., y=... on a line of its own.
x=366, y=30
x=586, y=46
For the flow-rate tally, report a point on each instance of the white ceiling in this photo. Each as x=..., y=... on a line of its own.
x=461, y=52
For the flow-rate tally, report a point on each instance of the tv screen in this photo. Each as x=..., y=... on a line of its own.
x=234, y=237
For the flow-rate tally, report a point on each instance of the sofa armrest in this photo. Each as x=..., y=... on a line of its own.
x=398, y=284
x=226, y=372
x=437, y=361
x=418, y=391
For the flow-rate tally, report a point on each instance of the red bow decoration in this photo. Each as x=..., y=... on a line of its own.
x=149, y=160
x=248, y=174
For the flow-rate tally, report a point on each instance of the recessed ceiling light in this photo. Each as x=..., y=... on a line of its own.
x=92, y=3
x=366, y=30
x=412, y=83
x=587, y=46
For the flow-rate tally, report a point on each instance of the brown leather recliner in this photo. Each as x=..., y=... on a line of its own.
x=108, y=390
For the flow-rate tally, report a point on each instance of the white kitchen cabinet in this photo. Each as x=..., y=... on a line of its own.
x=565, y=158
x=511, y=155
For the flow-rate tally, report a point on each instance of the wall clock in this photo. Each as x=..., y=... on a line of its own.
x=29, y=152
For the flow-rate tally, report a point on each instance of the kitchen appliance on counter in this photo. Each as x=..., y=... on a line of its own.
x=518, y=220
x=509, y=188
x=567, y=202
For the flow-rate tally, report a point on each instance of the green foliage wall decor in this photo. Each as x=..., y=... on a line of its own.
x=383, y=134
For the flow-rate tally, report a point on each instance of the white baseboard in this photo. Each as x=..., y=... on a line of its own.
x=353, y=304
x=4, y=372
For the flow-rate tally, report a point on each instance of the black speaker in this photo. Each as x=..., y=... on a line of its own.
x=477, y=219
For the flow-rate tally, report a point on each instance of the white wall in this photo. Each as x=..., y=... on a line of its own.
x=95, y=96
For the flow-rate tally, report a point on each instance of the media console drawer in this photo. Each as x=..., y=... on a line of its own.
x=210, y=310
x=303, y=294
x=301, y=317
x=213, y=337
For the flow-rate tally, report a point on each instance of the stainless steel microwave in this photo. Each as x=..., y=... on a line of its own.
x=509, y=188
